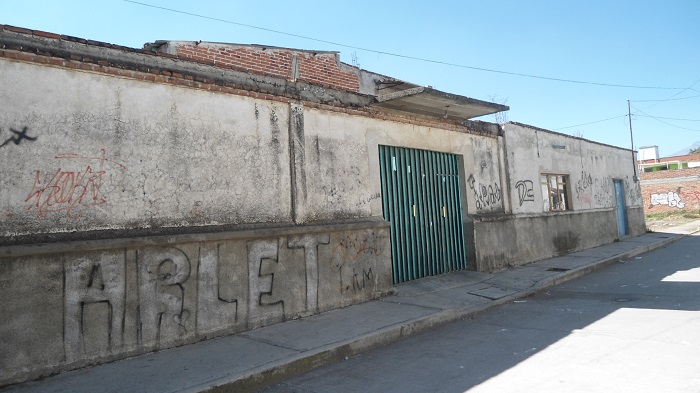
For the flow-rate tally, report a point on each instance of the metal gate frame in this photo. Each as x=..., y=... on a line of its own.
x=421, y=198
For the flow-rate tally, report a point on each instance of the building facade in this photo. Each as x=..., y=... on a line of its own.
x=161, y=196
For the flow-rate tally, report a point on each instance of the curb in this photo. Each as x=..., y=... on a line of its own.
x=281, y=370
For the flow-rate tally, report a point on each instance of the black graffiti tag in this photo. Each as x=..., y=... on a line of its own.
x=525, y=189
x=18, y=137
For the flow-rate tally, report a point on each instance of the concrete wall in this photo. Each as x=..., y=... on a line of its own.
x=74, y=304
x=114, y=153
x=530, y=233
x=591, y=168
x=268, y=190
x=122, y=158
x=92, y=155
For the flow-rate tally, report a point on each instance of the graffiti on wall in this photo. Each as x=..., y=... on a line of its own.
x=671, y=199
x=594, y=191
x=17, y=137
x=350, y=248
x=603, y=192
x=369, y=199
x=75, y=182
x=634, y=192
x=182, y=291
x=485, y=195
x=525, y=191
x=583, y=187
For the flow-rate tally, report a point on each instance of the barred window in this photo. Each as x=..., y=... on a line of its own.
x=555, y=192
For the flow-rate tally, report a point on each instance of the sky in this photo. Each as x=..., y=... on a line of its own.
x=568, y=66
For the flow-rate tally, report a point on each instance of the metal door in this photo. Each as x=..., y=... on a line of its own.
x=620, y=208
x=421, y=198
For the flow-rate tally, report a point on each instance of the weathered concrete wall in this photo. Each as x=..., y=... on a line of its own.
x=531, y=233
x=90, y=152
x=121, y=154
x=591, y=168
x=113, y=153
x=69, y=305
x=504, y=241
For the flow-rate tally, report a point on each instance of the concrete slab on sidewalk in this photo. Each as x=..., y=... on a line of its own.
x=337, y=325
x=257, y=358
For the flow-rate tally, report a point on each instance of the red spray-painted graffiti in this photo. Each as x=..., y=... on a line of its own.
x=66, y=190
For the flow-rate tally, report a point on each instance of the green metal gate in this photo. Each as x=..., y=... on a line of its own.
x=421, y=199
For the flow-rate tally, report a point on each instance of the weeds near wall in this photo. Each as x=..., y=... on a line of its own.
x=694, y=214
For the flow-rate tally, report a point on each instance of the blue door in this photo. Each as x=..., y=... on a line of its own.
x=620, y=208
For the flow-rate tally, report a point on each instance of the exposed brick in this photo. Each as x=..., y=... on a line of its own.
x=73, y=39
x=45, y=34
x=17, y=29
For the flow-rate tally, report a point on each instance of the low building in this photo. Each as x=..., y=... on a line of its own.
x=161, y=196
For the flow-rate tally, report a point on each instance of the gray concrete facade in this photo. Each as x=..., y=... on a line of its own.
x=75, y=304
x=149, y=201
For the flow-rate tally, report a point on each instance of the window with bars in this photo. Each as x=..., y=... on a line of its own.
x=555, y=192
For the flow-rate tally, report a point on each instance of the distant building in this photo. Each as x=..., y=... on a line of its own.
x=669, y=183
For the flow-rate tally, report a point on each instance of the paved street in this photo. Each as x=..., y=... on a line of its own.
x=631, y=327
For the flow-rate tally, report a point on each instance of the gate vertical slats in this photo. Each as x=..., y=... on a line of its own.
x=442, y=186
x=455, y=264
x=440, y=219
x=406, y=217
x=447, y=244
x=428, y=208
x=421, y=214
x=410, y=220
x=388, y=199
x=399, y=216
x=405, y=187
x=453, y=213
x=459, y=236
x=434, y=216
x=416, y=229
x=446, y=189
x=429, y=242
x=396, y=214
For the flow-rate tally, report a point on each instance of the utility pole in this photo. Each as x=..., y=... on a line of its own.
x=634, y=159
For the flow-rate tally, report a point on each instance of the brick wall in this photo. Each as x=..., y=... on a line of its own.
x=685, y=158
x=671, y=190
x=319, y=68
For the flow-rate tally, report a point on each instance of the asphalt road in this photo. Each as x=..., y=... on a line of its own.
x=632, y=327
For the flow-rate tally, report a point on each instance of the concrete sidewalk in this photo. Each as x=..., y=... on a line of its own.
x=254, y=359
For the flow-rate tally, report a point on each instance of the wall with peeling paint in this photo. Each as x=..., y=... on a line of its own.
x=144, y=203
x=530, y=233
x=91, y=153
x=114, y=153
x=65, y=306
x=591, y=168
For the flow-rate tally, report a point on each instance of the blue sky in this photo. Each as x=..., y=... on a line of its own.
x=638, y=43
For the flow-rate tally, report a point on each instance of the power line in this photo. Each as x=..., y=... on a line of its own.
x=593, y=122
x=404, y=56
x=669, y=118
x=667, y=99
x=638, y=110
x=665, y=122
